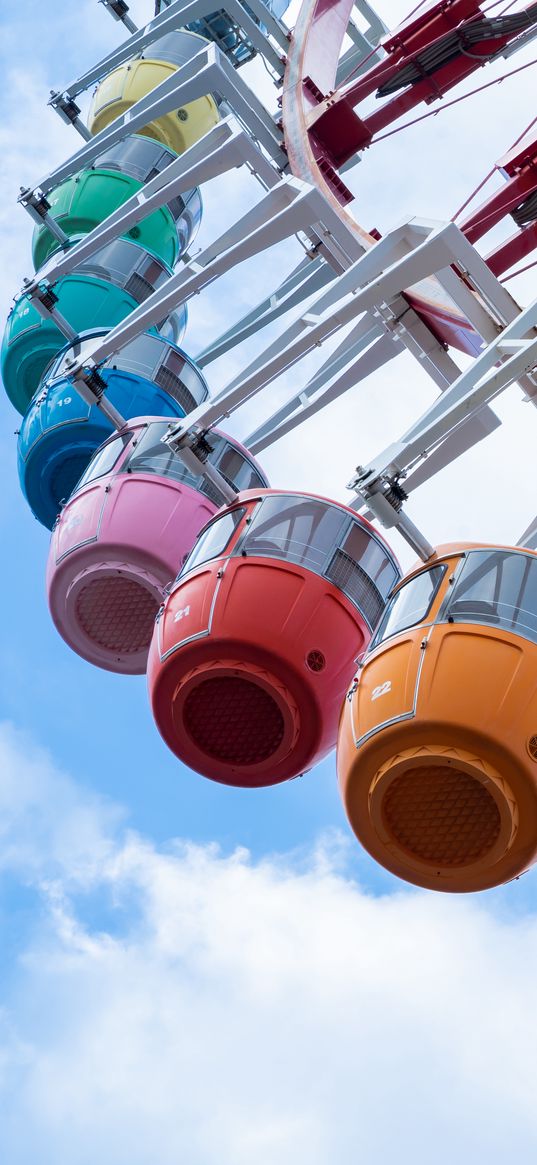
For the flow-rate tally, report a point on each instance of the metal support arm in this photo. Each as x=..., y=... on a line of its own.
x=173, y=18
x=225, y=147
x=486, y=378
x=207, y=72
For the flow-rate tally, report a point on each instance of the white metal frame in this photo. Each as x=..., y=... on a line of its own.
x=356, y=288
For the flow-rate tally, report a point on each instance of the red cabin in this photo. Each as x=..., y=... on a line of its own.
x=256, y=644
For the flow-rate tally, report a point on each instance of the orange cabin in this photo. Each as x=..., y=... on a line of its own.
x=437, y=750
x=255, y=646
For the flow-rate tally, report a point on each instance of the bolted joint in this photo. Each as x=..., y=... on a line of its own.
x=90, y=385
x=201, y=446
x=395, y=495
x=65, y=106
x=193, y=448
x=384, y=498
x=46, y=296
x=34, y=200
x=119, y=9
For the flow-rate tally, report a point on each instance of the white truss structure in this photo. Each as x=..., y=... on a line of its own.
x=357, y=288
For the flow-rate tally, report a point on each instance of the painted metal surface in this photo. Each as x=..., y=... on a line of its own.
x=437, y=748
x=122, y=537
x=126, y=85
x=310, y=94
x=85, y=200
x=249, y=700
x=60, y=433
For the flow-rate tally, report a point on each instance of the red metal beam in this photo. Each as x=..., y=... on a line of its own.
x=340, y=130
x=520, y=169
x=312, y=65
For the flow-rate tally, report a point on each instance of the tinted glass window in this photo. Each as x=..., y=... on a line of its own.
x=105, y=459
x=497, y=587
x=174, y=47
x=173, y=327
x=121, y=261
x=140, y=356
x=359, y=545
x=138, y=156
x=150, y=455
x=362, y=568
x=76, y=351
x=237, y=469
x=187, y=212
x=411, y=604
x=214, y=540
x=301, y=530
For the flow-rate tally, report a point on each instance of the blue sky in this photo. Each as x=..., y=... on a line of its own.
x=181, y=1000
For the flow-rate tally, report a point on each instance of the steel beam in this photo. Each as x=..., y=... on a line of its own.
x=170, y=19
x=289, y=207
x=119, y=10
x=310, y=276
x=486, y=378
x=207, y=72
x=225, y=147
x=361, y=354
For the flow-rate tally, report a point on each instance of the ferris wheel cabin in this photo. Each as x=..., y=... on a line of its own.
x=254, y=647
x=100, y=293
x=86, y=199
x=124, y=534
x=61, y=432
x=437, y=751
x=132, y=81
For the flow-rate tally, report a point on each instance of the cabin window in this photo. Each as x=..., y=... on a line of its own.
x=104, y=460
x=300, y=530
x=499, y=588
x=326, y=540
x=214, y=540
x=152, y=455
x=411, y=603
x=236, y=468
x=140, y=158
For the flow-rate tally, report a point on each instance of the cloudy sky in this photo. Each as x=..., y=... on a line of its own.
x=193, y=973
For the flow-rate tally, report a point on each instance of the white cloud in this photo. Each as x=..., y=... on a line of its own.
x=222, y=1011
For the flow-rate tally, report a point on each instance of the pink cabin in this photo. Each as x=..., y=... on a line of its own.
x=123, y=535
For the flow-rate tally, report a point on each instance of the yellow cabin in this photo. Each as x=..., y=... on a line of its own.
x=127, y=84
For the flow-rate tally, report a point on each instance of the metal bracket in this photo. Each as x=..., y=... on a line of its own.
x=175, y=17
x=119, y=10
x=207, y=72
x=385, y=499
x=190, y=447
x=38, y=207
x=288, y=207
x=69, y=112
x=225, y=147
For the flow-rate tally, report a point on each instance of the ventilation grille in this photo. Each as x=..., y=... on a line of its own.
x=117, y=614
x=138, y=287
x=212, y=492
x=233, y=720
x=175, y=387
x=441, y=815
x=350, y=578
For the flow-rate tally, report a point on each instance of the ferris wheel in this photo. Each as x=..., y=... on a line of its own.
x=289, y=627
